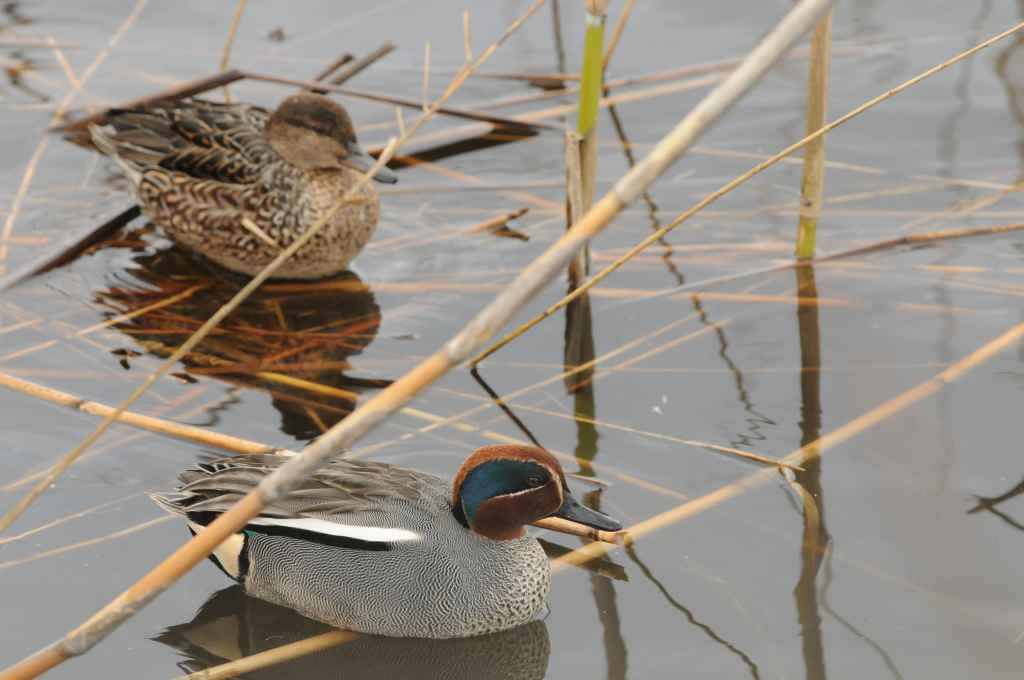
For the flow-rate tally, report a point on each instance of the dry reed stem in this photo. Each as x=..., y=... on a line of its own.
x=490, y=225
x=565, y=526
x=467, y=38
x=121, y=533
x=180, y=431
x=805, y=453
x=912, y=239
x=515, y=123
x=273, y=657
x=229, y=43
x=738, y=181
x=496, y=224
x=812, y=187
x=620, y=26
x=424, y=95
x=739, y=453
x=972, y=207
x=66, y=518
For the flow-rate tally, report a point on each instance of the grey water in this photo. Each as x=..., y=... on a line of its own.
x=914, y=569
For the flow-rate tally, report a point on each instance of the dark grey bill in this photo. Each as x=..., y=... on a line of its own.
x=362, y=161
x=572, y=509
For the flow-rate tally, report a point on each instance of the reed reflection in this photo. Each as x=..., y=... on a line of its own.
x=991, y=504
x=579, y=350
x=752, y=667
x=815, y=534
x=292, y=340
x=231, y=625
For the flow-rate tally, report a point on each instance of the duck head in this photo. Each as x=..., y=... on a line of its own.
x=499, y=489
x=313, y=132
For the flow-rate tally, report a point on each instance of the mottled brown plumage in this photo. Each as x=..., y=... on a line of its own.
x=238, y=184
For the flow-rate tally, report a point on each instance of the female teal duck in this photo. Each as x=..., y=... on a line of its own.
x=386, y=550
x=238, y=184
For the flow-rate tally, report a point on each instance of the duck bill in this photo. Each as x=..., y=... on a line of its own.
x=358, y=159
x=573, y=510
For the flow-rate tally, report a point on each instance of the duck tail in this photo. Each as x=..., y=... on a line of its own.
x=171, y=502
x=110, y=146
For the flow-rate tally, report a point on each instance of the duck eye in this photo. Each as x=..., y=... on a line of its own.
x=534, y=481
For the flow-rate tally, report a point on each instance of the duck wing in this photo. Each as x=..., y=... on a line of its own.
x=201, y=139
x=361, y=500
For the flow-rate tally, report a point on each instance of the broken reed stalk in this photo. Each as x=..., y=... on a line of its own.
x=809, y=451
x=229, y=43
x=578, y=268
x=655, y=236
x=813, y=185
x=100, y=625
x=361, y=64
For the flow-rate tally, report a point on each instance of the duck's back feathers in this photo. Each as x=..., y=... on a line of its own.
x=204, y=140
x=344, y=492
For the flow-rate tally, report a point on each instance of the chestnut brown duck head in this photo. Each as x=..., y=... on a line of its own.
x=500, y=489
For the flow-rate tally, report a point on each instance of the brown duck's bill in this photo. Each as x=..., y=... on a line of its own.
x=358, y=159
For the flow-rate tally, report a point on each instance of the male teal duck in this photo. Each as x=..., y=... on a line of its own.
x=238, y=184
x=385, y=550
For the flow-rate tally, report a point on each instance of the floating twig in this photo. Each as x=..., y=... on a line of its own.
x=361, y=64
x=341, y=60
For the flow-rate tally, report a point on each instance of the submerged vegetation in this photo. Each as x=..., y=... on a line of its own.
x=914, y=289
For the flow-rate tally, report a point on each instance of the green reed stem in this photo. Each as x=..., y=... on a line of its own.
x=813, y=186
x=590, y=87
x=591, y=81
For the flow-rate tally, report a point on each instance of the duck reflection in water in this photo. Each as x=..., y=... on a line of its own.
x=232, y=625
x=291, y=339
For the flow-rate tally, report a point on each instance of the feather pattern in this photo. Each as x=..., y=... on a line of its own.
x=208, y=173
x=407, y=566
